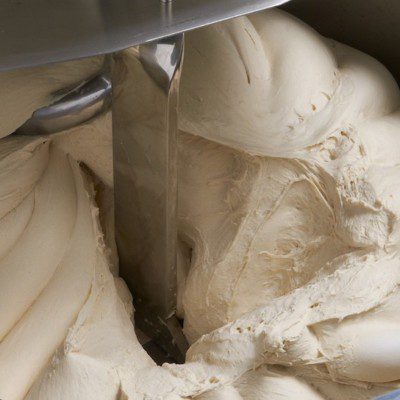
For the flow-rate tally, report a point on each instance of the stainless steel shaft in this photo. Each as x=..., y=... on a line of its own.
x=145, y=98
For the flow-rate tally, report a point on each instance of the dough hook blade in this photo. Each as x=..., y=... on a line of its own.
x=145, y=185
x=77, y=106
x=145, y=175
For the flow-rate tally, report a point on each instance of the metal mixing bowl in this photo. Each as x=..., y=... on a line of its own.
x=368, y=25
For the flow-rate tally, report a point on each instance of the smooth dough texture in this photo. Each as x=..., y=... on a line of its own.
x=65, y=326
x=289, y=169
x=65, y=321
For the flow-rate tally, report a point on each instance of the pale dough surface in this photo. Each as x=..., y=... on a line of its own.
x=289, y=205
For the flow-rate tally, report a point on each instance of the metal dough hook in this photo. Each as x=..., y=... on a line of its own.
x=79, y=105
x=144, y=107
x=145, y=186
x=145, y=175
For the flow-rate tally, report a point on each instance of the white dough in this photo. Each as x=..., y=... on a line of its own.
x=289, y=209
x=307, y=238
x=61, y=315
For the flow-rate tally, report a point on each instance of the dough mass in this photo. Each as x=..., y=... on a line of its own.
x=289, y=205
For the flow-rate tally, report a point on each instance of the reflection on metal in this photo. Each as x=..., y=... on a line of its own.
x=390, y=396
x=76, y=107
x=145, y=96
x=66, y=30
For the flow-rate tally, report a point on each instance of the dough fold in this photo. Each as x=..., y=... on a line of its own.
x=289, y=210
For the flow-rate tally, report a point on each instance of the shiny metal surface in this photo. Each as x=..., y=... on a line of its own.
x=78, y=106
x=36, y=32
x=390, y=396
x=368, y=25
x=145, y=98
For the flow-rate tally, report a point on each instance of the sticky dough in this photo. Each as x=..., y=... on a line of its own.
x=288, y=223
x=289, y=201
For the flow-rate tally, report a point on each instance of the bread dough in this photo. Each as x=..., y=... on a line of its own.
x=65, y=321
x=294, y=215
x=288, y=222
